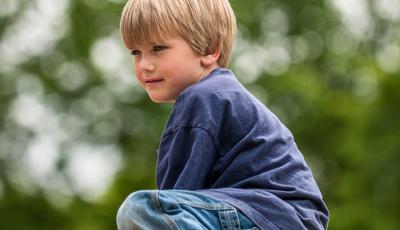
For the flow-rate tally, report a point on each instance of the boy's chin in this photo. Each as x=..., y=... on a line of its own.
x=160, y=100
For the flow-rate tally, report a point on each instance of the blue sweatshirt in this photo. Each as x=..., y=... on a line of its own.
x=221, y=141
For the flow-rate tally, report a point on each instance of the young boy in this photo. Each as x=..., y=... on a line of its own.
x=225, y=161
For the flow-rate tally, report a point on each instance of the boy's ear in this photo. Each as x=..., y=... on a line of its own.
x=211, y=58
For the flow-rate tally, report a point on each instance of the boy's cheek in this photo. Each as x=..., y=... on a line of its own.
x=139, y=78
x=136, y=69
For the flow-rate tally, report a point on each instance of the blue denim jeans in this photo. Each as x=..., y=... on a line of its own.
x=178, y=209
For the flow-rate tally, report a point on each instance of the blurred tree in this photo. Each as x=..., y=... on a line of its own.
x=77, y=134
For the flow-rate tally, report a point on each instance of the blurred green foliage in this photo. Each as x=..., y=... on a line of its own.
x=77, y=134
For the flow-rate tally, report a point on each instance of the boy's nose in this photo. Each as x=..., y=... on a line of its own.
x=147, y=65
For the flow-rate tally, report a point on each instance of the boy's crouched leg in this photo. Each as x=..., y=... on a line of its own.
x=178, y=209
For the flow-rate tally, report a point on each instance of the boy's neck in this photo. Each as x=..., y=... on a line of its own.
x=207, y=71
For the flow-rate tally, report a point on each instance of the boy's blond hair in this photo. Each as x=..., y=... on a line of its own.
x=206, y=25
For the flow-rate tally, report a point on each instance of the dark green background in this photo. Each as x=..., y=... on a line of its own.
x=328, y=69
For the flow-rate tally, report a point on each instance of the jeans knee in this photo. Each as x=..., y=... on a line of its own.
x=134, y=206
x=140, y=210
x=135, y=199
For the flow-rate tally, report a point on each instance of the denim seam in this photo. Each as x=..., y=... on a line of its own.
x=231, y=219
x=222, y=221
x=156, y=204
x=216, y=207
x=228, y=219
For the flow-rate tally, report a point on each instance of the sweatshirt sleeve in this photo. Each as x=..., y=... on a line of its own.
x=185, y=158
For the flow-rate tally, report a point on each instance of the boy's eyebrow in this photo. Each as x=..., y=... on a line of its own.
x=149, y=44
x=158, y=42
x=153, y=43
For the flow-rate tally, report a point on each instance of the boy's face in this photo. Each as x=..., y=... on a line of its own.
x=165, y=69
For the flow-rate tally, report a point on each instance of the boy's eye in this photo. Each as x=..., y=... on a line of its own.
x=135, y=52
x=158, y=48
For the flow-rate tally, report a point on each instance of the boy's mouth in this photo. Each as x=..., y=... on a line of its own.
x=153, y=81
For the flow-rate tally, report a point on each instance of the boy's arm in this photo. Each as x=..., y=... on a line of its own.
x=185, y=159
